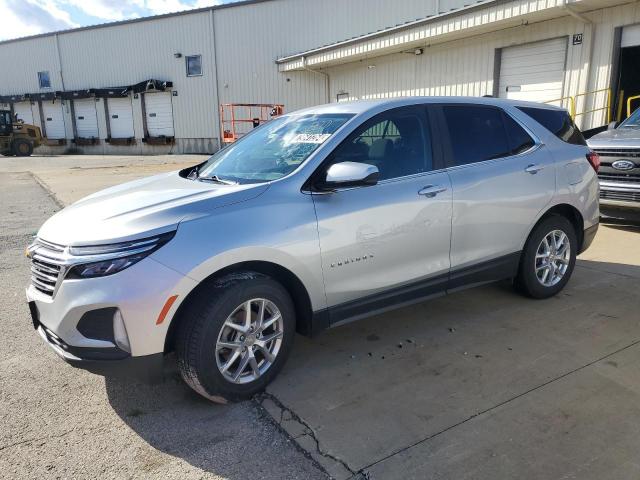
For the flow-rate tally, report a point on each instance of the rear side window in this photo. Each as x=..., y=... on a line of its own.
x=519, y=139
x=557, y=122
x=477, y=133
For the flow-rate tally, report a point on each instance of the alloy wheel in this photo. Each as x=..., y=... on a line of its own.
x=249, y=341
x=552, y=258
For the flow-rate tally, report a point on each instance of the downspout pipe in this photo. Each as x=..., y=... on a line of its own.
x=324, y=74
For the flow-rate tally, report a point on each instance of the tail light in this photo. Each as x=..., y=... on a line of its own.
x=594, y=160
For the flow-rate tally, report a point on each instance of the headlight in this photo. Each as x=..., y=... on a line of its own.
x=102, y=260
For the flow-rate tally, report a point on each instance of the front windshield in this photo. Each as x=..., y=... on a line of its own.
x=633, y=120
x=272, y=150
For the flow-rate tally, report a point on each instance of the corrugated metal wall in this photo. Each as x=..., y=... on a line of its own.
x=249, y=39
x=466, y=67
x=130, y=53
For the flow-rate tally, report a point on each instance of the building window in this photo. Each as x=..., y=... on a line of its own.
x=44, y=80
x=194, y=65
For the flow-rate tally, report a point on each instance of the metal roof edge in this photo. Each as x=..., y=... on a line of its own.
x=422, y=21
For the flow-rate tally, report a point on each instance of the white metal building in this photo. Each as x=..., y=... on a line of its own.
x=154, y=85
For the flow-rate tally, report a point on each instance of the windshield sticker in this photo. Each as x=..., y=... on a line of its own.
x=316, y=138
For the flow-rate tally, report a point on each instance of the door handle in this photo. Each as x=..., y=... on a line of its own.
x=533, y=169
x=431, y=191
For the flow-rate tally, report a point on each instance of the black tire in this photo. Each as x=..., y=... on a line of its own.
x=22, y=147
x=527, y=281
x=202, y=322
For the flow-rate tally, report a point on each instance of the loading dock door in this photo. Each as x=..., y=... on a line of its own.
x=628, y=71
x=121, y=117
x=159, y=114
x=533, y=72
x=86, y=118
x=53, y=119
x=24, y=112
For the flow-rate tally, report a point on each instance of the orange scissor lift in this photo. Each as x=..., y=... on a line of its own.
x=237, y=119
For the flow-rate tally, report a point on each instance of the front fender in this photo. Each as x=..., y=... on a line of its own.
x=271, y=230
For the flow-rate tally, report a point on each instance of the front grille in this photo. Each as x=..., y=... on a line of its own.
x=618, y=152
x=619, y=177
x=46, y=266
x=622, y=196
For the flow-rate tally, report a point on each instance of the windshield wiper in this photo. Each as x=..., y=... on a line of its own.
x=216, y=179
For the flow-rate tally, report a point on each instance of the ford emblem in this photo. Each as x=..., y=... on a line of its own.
x=623, y=165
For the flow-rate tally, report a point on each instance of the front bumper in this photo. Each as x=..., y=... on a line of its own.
x=138, y=293
x=620, y=195
x=109, y=362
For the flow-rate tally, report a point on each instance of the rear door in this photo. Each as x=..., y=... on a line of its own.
x=159, y=114
x=86, y=118
x=121, y=117
x=502, y=177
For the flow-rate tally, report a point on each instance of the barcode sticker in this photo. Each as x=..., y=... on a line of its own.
x=310, y=138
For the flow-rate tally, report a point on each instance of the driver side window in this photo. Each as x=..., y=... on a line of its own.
x=395, y=141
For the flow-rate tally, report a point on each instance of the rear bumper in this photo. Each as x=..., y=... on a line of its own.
x=588, y=236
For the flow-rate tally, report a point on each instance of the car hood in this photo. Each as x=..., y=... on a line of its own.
x=144, y=207
x=620, y=137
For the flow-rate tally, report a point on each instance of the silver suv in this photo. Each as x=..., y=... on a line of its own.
x=320, y=217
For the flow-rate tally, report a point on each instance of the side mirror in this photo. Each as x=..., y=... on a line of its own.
x=350, y=174
x=612, y=126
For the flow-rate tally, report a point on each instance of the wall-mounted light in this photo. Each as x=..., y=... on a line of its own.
x=177, y=55
x=418, y=51
x=371, y=67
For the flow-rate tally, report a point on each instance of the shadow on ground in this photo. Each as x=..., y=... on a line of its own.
x=227, y=440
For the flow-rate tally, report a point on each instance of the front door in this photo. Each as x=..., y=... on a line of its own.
x=388, y=243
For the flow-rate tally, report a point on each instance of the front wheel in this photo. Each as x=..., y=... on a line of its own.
x=548, y=258
x=236, y=336
x=22, y=147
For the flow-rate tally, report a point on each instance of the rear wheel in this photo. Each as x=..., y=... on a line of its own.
x=22, y=147
x=235, y=338
x=548, y=258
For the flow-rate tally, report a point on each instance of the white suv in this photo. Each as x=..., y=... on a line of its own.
x=316, y=218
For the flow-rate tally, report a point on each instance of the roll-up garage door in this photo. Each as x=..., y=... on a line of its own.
x=86, y=118
x=533, y=72
x=23, y=112
x=159, y=114
x=53, y=119
x=121, y=117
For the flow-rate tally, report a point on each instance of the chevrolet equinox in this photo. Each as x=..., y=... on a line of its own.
x=316, y=218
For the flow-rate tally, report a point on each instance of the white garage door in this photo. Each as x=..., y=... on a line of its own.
x=533, y=72
x=86, y=118
x=24, y=112
x=121, y=117
x=630, y=36
x=159, y=114
x=53, y=119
